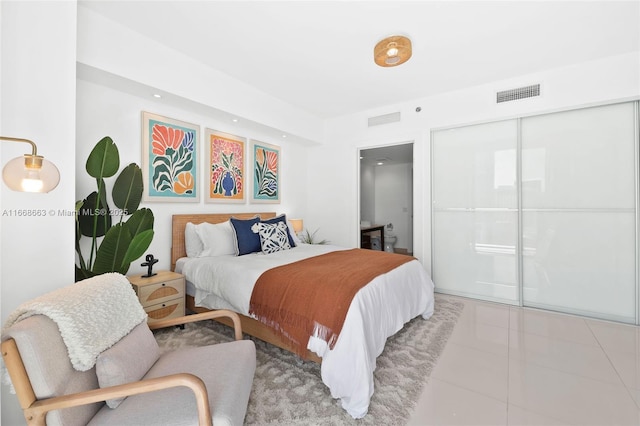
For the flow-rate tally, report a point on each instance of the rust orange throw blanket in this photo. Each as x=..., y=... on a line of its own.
x=313, y=295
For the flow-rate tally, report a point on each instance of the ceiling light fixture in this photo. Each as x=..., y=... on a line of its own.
x=392, y=51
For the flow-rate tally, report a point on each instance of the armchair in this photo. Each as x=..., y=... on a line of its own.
x=187, y=386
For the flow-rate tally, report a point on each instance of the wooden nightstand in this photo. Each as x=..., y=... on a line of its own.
x=162, y=295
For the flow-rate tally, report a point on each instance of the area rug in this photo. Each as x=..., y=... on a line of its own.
x=289, y=391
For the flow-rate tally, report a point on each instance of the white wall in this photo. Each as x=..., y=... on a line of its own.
x=393, y=201
x=367, y=193
x=103, y=111
x=113, y=48
x=609, y=79
x=38, y=103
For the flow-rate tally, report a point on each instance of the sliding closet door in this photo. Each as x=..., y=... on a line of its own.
x=475, y=211
x=578, y=211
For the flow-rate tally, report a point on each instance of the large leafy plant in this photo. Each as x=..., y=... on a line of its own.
x=113, y=245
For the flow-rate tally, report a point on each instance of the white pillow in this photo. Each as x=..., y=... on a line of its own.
x=192, y=242
x=217, y=239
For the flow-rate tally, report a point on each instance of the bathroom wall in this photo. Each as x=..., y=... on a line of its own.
x=394, y=201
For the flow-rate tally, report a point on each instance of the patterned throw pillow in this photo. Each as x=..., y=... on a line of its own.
x=282, y=218
x=273, y=236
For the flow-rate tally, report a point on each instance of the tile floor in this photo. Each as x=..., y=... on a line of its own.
x=507, y=365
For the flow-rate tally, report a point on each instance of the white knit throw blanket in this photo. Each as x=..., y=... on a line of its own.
x=92, y=315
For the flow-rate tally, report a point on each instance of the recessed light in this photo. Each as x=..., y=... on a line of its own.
x=379, y=163
x=235, y=120
x=155, y=95
x=284, y=136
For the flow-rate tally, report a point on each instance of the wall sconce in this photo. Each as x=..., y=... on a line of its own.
x=31, y=172
x=297, y=225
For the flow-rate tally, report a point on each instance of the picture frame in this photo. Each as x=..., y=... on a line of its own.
x=169, y=159
x=265, y=164
x=225, y=177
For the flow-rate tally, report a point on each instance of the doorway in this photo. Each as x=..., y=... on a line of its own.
x=386, y=198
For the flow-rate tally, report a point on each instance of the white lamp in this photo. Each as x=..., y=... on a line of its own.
x=31, y=172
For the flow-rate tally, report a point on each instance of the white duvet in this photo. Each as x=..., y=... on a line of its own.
x=379, y=310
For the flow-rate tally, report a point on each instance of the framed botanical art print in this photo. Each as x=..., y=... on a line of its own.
x=225, y=177
x=169, y=159
x=266, y=172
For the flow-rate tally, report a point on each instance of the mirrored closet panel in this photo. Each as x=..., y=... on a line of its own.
x=540, y=211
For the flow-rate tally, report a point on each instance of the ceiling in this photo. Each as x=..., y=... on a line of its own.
x=318, y=55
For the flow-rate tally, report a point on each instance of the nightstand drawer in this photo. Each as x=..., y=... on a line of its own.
x=153, y=294
x=169, y=309
x=161, y=295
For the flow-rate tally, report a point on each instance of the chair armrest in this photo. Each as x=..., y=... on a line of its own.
x=36, y=413
x=199, y=317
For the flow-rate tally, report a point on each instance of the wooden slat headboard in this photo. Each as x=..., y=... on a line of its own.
x=179, y=222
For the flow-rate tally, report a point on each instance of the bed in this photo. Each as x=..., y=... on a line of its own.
x=377, y=311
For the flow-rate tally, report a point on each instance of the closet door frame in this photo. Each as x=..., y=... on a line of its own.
x=636, y=131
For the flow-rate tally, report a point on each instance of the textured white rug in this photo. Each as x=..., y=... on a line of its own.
x=289, y=391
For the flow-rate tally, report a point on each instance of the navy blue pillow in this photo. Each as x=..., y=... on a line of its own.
x=281, y=218
x=246, y=241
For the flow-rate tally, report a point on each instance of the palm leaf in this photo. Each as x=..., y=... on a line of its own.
x=90, y=214
x=128, y=188
x=139, y=244
x=104, y=160
x=112, y=250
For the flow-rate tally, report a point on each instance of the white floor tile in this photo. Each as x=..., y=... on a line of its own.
x=487, y=313
x=564, y=327
x=562, y=355
x=443, y=404
x=570, y=398
x=616, y=337
x=635, y=394
x=543, y=368
x=475, y=370
x=522, y=417
x=627, y=365
x=483, y=337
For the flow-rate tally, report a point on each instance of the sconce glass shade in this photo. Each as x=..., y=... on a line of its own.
x=297, y=225
x=31, y=173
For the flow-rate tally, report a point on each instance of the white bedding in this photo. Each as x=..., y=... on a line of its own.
x=379, y=310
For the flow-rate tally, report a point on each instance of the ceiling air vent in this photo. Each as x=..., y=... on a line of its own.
x=384, y=119
x=519, y=93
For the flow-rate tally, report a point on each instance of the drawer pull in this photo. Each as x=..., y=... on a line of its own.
x=163, y=284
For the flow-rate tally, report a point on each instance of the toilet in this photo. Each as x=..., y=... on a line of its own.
x=389, y=238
